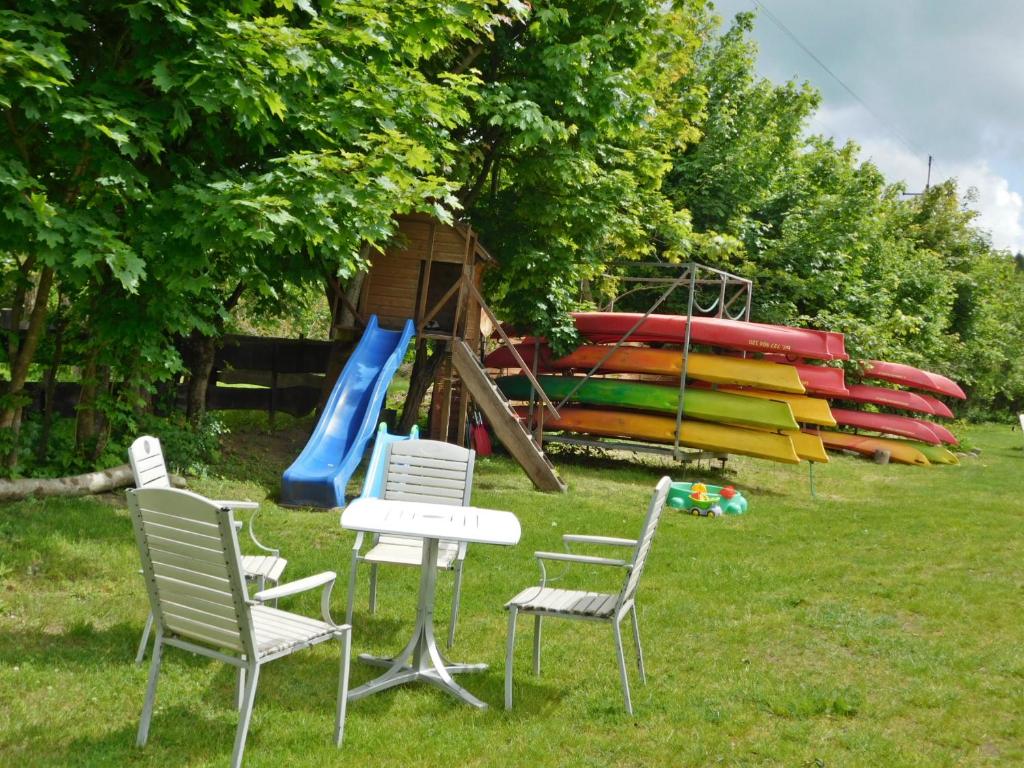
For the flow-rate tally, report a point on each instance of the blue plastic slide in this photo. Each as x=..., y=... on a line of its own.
x=317, y=478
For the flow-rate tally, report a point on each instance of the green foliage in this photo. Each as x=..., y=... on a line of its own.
x=166, y=157
x=190, y=449
x=577, y=114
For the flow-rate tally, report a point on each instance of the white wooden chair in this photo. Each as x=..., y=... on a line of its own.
x=197, y=591
x=147, y=461
x=543, y=601
x=418, y=470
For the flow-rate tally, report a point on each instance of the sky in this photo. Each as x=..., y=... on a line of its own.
x=928, y=77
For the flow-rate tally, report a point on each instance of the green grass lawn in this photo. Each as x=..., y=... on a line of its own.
x=876, y=624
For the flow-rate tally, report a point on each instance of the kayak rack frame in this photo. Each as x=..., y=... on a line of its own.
x=733, y=300
x=685, y=457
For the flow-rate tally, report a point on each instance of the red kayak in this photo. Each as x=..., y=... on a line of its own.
x=817, y=379
x=909, y=376
x=887, y=423
x=822, y=380
x=939, y=408
x=893, y=398
x=717, y=332
x=943, y=434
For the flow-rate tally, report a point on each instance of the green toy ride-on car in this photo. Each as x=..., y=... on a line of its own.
x=706, y=500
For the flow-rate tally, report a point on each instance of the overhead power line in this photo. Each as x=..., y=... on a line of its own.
x=882, y=121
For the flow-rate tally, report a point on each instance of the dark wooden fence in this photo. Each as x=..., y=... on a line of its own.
x=279, y=375
x=286, y=375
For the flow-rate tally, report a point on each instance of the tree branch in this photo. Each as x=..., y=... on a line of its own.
x=470, y=196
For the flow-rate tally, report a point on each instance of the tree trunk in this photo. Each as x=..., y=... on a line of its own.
x=85, y=421
x=101, y=419
x=50, y=386
x=424, y=369
x=25, y=352
x=76, y=485
x=202, y=353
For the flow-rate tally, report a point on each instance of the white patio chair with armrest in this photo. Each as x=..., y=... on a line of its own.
x=150, y=470
x=543, y=601
x=418, y=470
x=197, y=591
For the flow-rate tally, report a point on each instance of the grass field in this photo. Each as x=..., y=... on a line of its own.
x=875, y=624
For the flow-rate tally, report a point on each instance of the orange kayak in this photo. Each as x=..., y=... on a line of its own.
x=714, y=369
x=899, y=450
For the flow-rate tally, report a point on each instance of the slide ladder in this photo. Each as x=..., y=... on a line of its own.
x=507, y=427
x=317, y=478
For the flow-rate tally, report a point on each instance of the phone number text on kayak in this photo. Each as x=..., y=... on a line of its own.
x=769, y=345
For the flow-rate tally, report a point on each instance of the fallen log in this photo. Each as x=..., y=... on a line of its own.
x=75, y=485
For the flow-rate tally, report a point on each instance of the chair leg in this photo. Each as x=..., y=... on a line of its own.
x=513, y=613
x=536, y=644
x=144, y=641
x=147, y=707
x=622, y=664
x=373, y=588
x=240, y=689
x=456, y=596
x=351, y=587
x=245, y=716
x=346, y=654
x=639, y=648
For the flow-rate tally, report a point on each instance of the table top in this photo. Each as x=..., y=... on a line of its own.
x=432, y=521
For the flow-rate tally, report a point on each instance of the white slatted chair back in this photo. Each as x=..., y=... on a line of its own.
x=192, y=567
x=148, y=466
x=643, y=544
x=430, y=471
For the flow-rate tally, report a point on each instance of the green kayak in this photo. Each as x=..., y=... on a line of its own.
x=936, y=454
x=704, y=404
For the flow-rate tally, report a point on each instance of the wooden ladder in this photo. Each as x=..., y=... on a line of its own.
x=507, y=427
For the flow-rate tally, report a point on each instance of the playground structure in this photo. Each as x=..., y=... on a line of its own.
x=424, y=286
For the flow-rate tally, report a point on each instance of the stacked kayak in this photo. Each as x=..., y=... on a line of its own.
x=754, y=389
x=899, y=428
x=732, y=404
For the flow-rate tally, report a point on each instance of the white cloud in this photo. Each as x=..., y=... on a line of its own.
x=1000, y=208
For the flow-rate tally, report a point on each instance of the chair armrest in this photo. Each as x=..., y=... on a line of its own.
x=295, y=587
x=259, y=544
x=573, y=538
x=325, y=580
x=237, y=504
x=568, y=557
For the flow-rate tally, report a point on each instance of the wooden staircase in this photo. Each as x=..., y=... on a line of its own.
x=507, y=427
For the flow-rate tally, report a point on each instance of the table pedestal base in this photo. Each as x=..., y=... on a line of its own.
x=420, y=659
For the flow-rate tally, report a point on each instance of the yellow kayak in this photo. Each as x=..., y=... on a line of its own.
x=808, y=410
x=706, y=436
x=808, y=446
